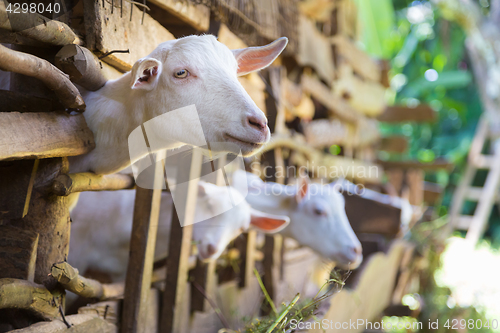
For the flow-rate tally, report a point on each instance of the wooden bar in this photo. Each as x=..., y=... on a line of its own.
x=394, y=144
x=204, y=273
x=43, y=135
x=422, y=113
x=141, y=258
x=66, y=184
x=175, y=312
x=437, y=164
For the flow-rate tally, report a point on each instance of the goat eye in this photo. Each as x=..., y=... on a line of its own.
x=318, y=211
x=181, y=74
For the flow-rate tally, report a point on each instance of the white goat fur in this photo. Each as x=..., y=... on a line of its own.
x=102, y=225
x=152, y=89
x=317, y=215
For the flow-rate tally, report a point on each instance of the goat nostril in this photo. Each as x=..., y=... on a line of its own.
x=211, y=249
x=358, y=250
x=257, y=123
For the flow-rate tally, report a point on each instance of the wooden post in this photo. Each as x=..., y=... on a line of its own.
x=204, y=273
x=175, y=314
x=47, y=216
x=141, y=258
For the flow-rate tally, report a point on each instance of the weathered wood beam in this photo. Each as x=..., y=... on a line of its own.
x=51, y=76
x=37, y=27
x=438, y=164
x=82, y=66
x=141, y=256
x=22, y=294
x=175, y=312
x=66, y=184
x=17, y=253
x=398, y=113
x=118, y=31
x=336, y=105
x=197, y=16
x=43, y=135
x=21, y=102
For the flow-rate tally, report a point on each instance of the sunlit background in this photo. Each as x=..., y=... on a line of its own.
x=429, y=64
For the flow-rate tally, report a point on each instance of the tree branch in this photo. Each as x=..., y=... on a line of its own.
x=65, y=184
x=51, y=76
x=69, y=278
x=22, y=294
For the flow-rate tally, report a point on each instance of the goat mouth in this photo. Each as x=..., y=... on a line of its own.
x=241, y=141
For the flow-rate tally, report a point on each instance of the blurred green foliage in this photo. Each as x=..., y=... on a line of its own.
x=430, y=65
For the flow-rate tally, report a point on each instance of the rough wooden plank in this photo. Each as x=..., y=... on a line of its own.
x=119, y=30
x=141, y=257
x=43, y=135
x=398, y=113
x=16, y=185
x=323, y=94
x=17, y=101
x=315, y=50
x=17, y=253
x=174, y=316
x=48, y=216
x=197, y=16
x=362, y=63
x=394, y=144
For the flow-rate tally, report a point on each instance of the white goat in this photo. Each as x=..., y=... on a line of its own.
x=317, y=215
x=102, y=224
x=194, y=70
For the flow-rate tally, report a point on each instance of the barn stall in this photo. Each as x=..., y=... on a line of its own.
x=323, y=98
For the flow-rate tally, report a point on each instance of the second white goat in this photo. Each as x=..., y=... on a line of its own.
x=102, y=224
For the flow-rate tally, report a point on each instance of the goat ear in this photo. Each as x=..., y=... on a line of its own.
x=145, y=73
x=253, y=59
x=302, y=186
x=268, y=223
